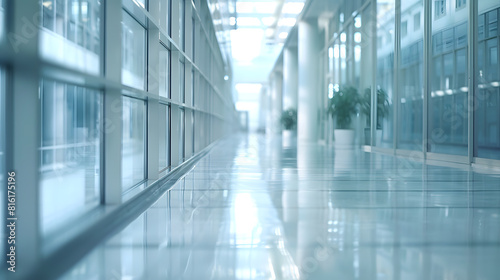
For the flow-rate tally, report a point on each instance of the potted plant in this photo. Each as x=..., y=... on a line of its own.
x=289, y=122
x=342, y=106
x=382, y=112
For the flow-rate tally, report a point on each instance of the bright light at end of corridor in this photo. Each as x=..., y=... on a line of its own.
x=246, y=43
x=248, y=87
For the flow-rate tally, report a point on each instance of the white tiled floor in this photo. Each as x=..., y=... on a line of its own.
x=253, y=209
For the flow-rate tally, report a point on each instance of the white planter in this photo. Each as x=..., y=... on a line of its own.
x=343, y=138
x=288, y=137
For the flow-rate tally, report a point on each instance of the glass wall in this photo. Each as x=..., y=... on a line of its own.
x=448, y=117
x=70, y=33
x=386, y=11
x=164, y=134
x=79, y=118
x=69, y=152
x=133, y=142
x=411, y=73
x=487, y=107
x=133, y=52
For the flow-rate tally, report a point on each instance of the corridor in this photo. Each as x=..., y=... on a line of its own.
x=254, y=208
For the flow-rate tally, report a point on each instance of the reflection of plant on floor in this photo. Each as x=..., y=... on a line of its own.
x=289, y=119
x=343, y=105
x=382, y=106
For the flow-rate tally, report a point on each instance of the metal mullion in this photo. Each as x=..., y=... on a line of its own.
x=471, y=68
x=373, y=107
x=397, y=50
x=427, y=40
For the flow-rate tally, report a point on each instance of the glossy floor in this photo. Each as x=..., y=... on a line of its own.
x=257, y=209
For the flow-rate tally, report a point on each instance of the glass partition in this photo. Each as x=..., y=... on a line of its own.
x=487, y=107
x=386, y=11
x=411, y=72
x=448, y=116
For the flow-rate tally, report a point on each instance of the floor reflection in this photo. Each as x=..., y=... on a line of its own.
x=256, y=209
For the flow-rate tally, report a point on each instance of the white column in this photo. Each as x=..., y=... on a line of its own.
x=268, y=109
x=23, y=140
x=308, y=82
x=112, y=125
x=262, y=109
x=276, y=101
x=290, y=78
x=153, y=143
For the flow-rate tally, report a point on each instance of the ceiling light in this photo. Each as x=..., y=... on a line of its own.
x=265, y=7
x=248, y=21
x=293, y=8
x=357, y=37
x=283, y=35
x=244, y=7
x=248, y=87
x=357, y=21
x=255, y=7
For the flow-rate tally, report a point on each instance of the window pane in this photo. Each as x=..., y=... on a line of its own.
x=70, y=33
x=193, y=84
x=193, y=38
x=448, y=118
x=164, y=134
x=182, y=136
x=165, y=8
x=182, y=24
x=133, y=52
x=385, y=69
x=164, y=72
x=133, y=142
x=411, y=91
x=487, y=113
x=69, y=152
x=182, y=82
x=193, y=131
